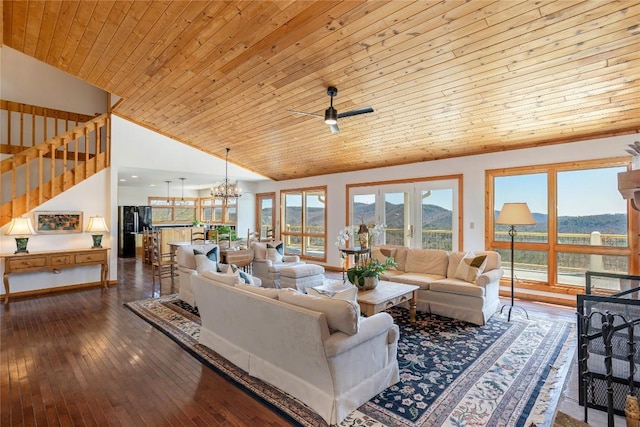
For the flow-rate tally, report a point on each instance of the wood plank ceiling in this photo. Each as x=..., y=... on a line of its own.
x=445, y=78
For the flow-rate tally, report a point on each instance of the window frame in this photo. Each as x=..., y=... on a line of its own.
x=552, y=247
x=303, y=235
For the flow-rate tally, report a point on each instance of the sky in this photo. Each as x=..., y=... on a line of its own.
x=580, y=193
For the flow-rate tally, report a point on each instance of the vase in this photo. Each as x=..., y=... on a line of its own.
x=369, y=283
x=363, y=236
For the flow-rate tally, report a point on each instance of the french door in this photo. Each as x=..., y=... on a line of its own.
x=422, y=214
x=265, y=218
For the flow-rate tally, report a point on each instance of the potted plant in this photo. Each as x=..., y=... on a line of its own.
x=366, y=275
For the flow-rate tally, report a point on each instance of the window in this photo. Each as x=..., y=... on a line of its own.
x=215, y=211
x=173, y=210
x=304, y=216
x=582, y=221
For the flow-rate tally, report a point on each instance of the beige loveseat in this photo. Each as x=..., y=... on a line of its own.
x=445, y=289
x=317, y=349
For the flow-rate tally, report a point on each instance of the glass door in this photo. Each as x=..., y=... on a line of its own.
x=437, y=215
x=265, y=219
x=423, y=214
x=396, y=214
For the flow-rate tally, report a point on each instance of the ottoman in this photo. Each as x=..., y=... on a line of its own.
x=301, y=277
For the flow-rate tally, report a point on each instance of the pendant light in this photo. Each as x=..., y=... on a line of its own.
x=168, y=199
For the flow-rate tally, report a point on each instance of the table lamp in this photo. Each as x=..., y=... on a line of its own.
x=513, y=214
x=97, y=226
x=22, y=228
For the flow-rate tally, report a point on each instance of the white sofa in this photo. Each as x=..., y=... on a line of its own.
x=293, y=348
x=473, y=300
x=186, y=261
x=268, y=269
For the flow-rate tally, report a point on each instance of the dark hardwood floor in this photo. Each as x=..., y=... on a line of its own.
x=83, y=359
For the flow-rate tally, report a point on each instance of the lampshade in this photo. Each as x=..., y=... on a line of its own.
x=515, y=214
x=330, y=116
x=97, y=225
x=20, y=227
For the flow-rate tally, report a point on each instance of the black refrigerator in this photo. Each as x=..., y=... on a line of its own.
x=131, y=221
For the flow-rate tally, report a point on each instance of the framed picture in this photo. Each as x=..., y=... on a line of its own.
x=58, y=222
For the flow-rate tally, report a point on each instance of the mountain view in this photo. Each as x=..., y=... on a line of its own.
x=438, y=218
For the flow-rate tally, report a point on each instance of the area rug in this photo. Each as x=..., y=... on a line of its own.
x=452, y=373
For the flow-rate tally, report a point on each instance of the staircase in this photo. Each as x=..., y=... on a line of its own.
x=37, y=172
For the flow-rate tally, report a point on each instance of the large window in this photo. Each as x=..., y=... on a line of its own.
x=582, y=222
x=304, y=217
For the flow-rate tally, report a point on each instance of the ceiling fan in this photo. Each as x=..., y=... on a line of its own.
x=331, y=115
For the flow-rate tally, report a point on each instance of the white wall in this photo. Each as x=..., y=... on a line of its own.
x=135, y=146
x=473, y=169
x=92, y=197
x=29, y=81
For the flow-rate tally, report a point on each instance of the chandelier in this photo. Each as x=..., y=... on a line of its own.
x=226, y=190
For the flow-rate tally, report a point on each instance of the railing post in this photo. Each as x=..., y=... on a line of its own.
x=595, y=261
x=40, y=176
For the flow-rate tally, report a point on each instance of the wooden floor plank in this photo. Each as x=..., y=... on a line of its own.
x=82, y=358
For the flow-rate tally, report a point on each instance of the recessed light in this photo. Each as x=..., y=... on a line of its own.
x=152, y=185
x=123, y=180
x=134, y=176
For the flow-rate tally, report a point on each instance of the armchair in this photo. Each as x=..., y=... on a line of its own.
x=267, y=266
x=186, y=261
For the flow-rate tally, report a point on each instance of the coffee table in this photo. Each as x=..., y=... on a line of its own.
x=387, y=295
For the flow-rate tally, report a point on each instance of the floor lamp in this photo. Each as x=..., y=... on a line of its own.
x=513, y=214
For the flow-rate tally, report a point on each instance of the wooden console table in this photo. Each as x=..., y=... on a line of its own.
x=54, y=260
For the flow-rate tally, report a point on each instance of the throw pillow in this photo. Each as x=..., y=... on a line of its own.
x=275, y=253
x=243, y=276
x=343, y=316
x=470, y=267
x=346, y=294
x=203, y=263
x=212, y=254
x=381, y=254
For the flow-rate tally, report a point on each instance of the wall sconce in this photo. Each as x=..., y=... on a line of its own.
x=97, y=226
x=22, y=228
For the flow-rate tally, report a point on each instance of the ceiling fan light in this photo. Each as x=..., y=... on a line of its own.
x=331, y=116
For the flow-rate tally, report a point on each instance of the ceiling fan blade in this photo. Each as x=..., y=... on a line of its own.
x=305, y=114
x=334, y=128
x=362, y=110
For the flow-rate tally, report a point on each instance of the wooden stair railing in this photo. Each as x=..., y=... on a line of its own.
x=61, y=162
x=26, y=124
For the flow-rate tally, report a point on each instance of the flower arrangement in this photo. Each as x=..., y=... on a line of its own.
x=351, y=232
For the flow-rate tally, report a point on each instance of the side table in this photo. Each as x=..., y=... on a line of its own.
x=358, y=254
x=242, y=258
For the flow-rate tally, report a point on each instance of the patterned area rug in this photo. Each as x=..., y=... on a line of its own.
x=452, y=373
